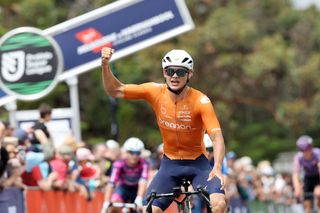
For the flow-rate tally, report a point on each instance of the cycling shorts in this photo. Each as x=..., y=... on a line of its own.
x=171, y=173
x=125, y=194
x=310, y=182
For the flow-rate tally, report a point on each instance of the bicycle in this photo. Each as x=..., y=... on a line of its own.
x=125, y=207
x=184, y=205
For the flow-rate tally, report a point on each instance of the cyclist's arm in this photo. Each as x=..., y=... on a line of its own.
x=114, y=179
x=109, y=191
x=111, y=84
x=143, y=180
x=142, y=187
x=218, y=149
x=296, y=174
x=212, y=126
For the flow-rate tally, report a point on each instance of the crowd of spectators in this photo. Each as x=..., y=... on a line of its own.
x=30, y=159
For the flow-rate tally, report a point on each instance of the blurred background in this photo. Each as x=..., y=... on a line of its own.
x=257, y=60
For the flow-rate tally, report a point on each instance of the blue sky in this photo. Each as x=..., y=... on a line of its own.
x=303, y=4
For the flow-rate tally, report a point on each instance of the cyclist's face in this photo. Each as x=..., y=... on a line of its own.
x=307, y=154
x=176, y=77
x=133, y=158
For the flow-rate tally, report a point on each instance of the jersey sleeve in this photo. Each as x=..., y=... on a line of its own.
x=145, y=171
x=296, y=164
x=208, y=115
x=116, y=172
x=140, y=91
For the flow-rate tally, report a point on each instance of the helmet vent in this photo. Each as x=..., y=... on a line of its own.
x=184, y=60
x=168, y=58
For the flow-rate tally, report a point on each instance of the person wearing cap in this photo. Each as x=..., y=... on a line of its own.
x=128, y=181
x=307, y=161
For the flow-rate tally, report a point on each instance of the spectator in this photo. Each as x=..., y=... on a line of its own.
x=231, y=157
x=22, y=136
x=113, y=153
x=99, y=152
x=60, y=165
x=40, y=133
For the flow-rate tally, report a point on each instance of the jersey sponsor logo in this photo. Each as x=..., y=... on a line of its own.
x=173, y=125
x=163, y=110
x=204, y=100
x=89, y=37
x=184, y=116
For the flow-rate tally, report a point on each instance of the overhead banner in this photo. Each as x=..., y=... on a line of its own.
x=127, y=26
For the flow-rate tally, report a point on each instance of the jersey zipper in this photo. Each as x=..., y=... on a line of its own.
x=176, y=130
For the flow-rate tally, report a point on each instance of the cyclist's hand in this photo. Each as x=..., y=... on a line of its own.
x=105, y=206
x=138, y=201
x=217, y=173
x=106, y=53
x=297, y=193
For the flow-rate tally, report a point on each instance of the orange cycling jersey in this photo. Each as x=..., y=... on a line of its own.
x=181, y=123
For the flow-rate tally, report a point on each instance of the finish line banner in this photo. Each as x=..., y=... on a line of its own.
x=127, y=26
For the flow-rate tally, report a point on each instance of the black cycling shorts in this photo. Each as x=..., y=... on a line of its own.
x=171, y=173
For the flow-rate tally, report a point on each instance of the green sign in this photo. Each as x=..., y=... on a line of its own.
x=30, y=63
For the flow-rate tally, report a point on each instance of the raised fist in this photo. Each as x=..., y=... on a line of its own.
x=106, y=53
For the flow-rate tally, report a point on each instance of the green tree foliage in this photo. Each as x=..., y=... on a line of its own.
x=258, y=60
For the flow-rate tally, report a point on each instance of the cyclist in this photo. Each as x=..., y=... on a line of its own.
x=183, y=114
x=128, y=181
x=306, y=160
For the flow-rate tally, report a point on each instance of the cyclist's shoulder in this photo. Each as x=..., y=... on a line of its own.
x=316, y=150
x=119, y=163
x=153, y=85
x=143, y=161
x=198, y=96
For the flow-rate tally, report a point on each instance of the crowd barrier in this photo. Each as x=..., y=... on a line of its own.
x=13, y=200
x=38, y=201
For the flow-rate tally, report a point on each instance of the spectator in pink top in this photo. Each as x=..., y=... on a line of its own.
x=60, y=165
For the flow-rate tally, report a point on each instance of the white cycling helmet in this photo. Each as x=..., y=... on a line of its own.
x=207, y=141
x=133, y=144
x=177, y=58
x=112, y=144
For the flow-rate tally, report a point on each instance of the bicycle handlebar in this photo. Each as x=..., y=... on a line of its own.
x=125, y=205
x=176, y=193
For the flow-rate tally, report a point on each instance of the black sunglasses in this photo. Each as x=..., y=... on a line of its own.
x=134, y=152
x=181, y=72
